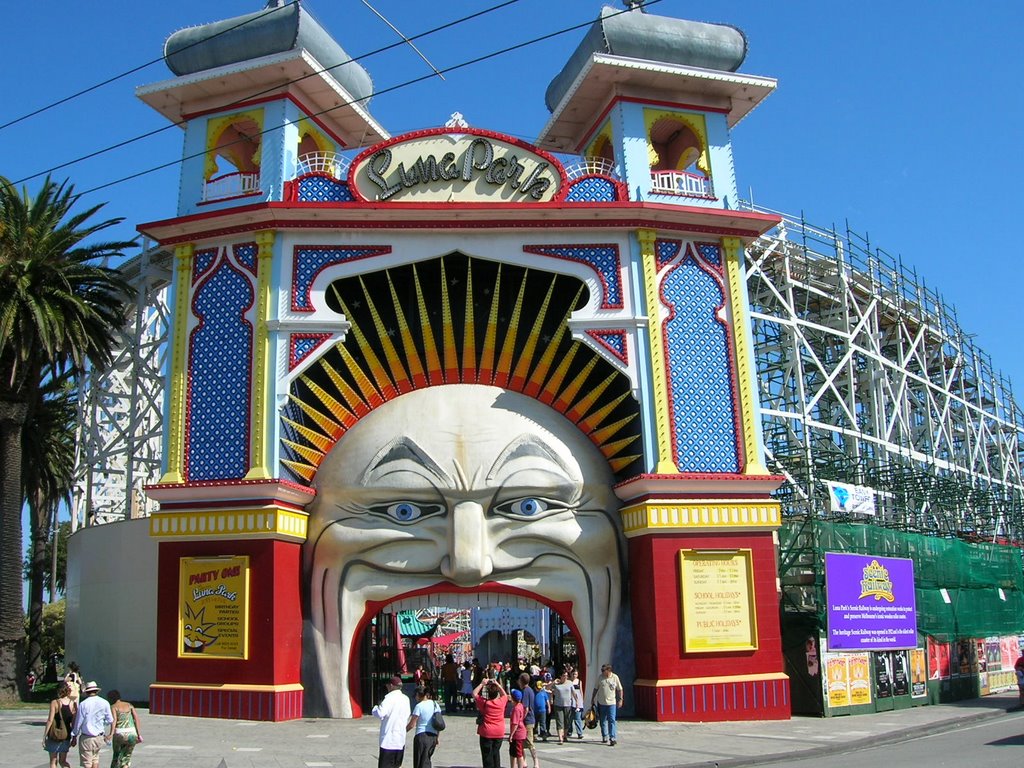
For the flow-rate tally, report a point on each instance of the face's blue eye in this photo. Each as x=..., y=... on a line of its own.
x=528, y=507
x=406, y=511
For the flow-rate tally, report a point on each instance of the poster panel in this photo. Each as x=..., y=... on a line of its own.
x=993, y=658
x=883, y=675
x=837, y=680
x=213, y=607
x=938, y=659
x=900, y=673
x=918, y=674
x=860, y=677
x=1009, y=651
x=717, y=592
x=871, y=602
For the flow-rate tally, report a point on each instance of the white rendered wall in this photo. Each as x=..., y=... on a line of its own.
x=111, y=608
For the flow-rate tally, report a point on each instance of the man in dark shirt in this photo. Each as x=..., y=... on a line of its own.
x=523, y=683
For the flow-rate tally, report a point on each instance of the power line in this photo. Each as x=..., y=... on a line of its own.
x=463, y=65
x=131, y=71
x=247, y=97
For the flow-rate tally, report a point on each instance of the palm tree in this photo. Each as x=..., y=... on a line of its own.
x=48, y=474
x=59, y=311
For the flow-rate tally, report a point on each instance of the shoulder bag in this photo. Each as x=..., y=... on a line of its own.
x=437, y=721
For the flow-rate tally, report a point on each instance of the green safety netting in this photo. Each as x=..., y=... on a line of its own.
x=984, y=583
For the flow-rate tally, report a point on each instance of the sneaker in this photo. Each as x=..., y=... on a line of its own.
x=612, y=742
x=604, y=741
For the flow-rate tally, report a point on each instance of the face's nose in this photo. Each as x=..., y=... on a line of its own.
x=469, y=560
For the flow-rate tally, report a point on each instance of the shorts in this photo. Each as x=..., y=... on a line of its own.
x=563, y=716
x=528, y=741
x=89, y=750
x=515, y=748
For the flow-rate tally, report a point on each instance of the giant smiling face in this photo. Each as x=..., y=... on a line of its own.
x=468, y=486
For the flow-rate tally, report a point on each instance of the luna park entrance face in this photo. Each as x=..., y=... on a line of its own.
x=415, y=638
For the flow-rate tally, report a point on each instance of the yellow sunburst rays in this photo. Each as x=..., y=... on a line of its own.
x=434, y=373
x=452, y=371
x=562, y=384
x=412, y=356
x=504, y=370
x=377, y=372
x=485, y=371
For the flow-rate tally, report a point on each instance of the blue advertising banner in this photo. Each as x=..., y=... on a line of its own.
x=871, y=603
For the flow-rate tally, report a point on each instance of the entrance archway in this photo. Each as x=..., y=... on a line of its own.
x=497, y=620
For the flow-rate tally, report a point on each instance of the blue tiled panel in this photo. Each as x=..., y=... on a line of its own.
x=219, y=379
x=700, y=381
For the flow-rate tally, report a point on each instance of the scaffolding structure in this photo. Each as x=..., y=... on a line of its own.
x=867, y=378
x=120, y=411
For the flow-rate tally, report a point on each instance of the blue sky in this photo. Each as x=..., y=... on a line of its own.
x=902, y=118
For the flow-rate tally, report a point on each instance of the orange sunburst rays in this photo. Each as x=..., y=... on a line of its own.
x=369, y=368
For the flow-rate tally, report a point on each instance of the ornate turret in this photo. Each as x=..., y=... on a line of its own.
x=656, y=96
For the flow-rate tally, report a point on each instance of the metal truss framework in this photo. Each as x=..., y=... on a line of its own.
x=121, y=410
x=865, y=377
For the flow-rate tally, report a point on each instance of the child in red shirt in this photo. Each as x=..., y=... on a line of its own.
x=517, y=730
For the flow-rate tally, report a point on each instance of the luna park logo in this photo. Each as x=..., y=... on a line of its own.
x=875, y=582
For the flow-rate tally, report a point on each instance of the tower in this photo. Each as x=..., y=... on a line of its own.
x=657, y=98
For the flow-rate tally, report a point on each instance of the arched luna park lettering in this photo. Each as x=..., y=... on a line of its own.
x=478, y=158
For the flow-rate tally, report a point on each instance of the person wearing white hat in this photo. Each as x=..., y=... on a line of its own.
x=94, y=724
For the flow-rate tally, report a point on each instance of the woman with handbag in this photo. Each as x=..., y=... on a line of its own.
x=126, y=731
x=57, y=734
x=424, y=720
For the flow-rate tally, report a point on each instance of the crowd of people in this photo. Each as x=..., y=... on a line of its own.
x=520, y=706
x=80, y=717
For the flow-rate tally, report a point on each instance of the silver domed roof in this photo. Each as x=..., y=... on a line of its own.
x=276, y=29
x=663, y=39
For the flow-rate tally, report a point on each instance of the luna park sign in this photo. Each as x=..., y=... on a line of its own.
x=443, y=166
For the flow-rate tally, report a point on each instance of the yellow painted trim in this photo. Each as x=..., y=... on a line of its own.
x=712, y=680
x=183, y=256
x=746, y=385
x=258, y=444
x=217, y=125
x=307, y=128
x=659, y=376
x=595, y=145
x=695, y=123
x=266, y=522
x=284, y=688
x=652, y=517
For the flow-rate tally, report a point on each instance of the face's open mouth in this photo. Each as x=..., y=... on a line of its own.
x=588, y=606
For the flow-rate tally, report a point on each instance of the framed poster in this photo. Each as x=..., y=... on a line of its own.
x=871, y=603
x=717, y=593
x=883, y=675
x=837, y=680
x=860, y=677
x=213, y=607
x=918, y=674
x=900, y=673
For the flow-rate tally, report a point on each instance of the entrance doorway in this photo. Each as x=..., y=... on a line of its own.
x=413, y=638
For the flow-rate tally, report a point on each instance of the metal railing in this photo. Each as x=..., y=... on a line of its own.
x=681, y=183
x=587, y=166
x=231, y=185
x=328, y=163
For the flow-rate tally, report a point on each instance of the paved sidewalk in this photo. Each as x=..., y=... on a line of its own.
x=179, y=741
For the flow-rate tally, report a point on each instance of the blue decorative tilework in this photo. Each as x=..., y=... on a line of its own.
x=246, y=255
x=711, y=253
x=603, y=259
x=592, y=189
x=614, y=342
x=217, y=432
x=323, y=189
x=666, y=250
x=202, y=261
x=309, y=261
x=700, y=378
x=302, y=344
